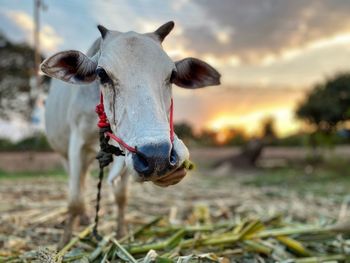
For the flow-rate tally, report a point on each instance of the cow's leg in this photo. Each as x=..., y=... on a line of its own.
x=120, y=189
x=65, y=164
x=78, y=156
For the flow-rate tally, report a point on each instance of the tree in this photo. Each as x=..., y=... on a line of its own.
x=184, y=130
x=235, y=137
x=16, y=69
x=269, y=133
x=327, y=105
x=207, y=138
x=325, y=108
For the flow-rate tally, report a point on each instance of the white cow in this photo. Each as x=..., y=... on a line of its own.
x=135, y=76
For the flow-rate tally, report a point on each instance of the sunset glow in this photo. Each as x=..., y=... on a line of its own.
x=285, y=122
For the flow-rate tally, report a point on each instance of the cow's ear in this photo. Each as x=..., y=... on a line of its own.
x=192, y=73
x=70, y=66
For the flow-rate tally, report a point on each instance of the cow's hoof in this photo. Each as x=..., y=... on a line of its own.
x=121, y=232
x=67, y=233
x=84, y=220
x=66, y=237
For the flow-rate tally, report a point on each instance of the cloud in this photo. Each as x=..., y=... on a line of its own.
x=251, y=42
x=147, y=16
x=49, y=39
x=257, y=31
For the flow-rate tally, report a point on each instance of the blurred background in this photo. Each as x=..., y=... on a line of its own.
x=277, y=129
x=272, y=56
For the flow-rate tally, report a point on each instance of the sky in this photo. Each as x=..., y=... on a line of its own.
x=269, y=52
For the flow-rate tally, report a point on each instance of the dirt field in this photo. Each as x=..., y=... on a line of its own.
x=47, y=161
x=32, y=209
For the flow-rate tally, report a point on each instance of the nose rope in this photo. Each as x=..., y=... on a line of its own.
x=171, y=120
x=103, y=122
x=105, y=155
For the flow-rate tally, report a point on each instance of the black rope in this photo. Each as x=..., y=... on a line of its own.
x=104, y=157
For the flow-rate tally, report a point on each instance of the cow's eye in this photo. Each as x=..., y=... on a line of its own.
x=102, y=74
x=172, y=76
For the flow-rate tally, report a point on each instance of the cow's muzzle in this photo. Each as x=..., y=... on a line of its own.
x=171, y=178
x=155, y=160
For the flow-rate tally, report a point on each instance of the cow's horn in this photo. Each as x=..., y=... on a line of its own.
x=102, y=30
x=164, y=30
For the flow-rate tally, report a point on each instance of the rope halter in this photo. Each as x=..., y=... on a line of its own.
x=103, y=122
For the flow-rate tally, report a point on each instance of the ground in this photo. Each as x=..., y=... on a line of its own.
x=32, y=204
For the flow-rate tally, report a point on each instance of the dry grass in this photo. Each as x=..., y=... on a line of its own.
x=212, y=218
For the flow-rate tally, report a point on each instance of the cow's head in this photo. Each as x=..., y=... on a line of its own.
x=136, y=77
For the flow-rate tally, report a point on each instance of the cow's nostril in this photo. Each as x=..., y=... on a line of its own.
x=174, y=158
x=141, y=164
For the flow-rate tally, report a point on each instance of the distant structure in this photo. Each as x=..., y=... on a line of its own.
x=39, y=96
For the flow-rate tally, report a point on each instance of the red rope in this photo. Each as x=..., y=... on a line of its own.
x=171, y=121
x=100, y=110
x=103, y=122
x=121, y=142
